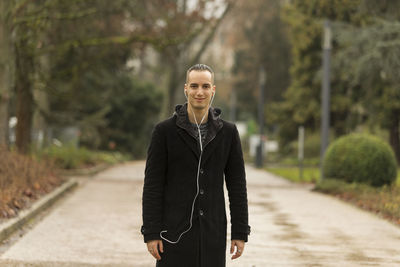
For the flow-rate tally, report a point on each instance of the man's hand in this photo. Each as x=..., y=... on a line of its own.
x=239, y=244
x=153, y=246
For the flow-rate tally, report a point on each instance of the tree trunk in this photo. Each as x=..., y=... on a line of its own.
x=24, y=97
x=170, y=59
x=39, y=124
x=173, y=86
x=5, y=73
x=174, y=58
x=394, y=135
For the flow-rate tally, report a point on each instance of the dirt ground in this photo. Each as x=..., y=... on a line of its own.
x=98, y=225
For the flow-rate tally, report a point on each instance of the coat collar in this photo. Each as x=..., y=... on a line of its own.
x=214, y=122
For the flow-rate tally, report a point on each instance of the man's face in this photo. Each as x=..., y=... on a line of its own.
x=199, y=89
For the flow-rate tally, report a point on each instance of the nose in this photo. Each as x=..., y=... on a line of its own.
x=200, y=92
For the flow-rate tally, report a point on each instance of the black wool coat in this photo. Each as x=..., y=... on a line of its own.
x=170, y=187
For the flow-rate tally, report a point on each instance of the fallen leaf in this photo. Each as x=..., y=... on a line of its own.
x=17, y=204
x=36, y=185
x=28, y=192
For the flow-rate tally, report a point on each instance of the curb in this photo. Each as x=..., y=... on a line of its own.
x=13, y=224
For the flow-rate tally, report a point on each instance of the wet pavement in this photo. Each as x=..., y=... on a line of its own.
x=98, y=225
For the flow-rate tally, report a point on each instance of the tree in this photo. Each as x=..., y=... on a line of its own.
x=261, y=42
x=73, y=52
x=40, y=29
x=189, y=32
x=365, y=62
x=374, y=50
x=90, y=83
x=134, y=108
x=301, y=104
x=5, y=71
x=85, y=60
x=28, y=22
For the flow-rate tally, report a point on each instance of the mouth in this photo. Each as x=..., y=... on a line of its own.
x=199, y=99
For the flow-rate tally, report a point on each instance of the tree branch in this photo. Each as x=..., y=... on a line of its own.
x=210, y=35
x=58, y=16
x=118, y=40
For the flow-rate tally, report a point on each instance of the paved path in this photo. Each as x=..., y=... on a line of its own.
x=98, y=225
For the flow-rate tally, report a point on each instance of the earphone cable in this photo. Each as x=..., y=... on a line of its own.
x=197, y=178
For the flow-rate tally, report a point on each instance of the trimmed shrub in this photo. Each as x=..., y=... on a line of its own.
x=360, y=158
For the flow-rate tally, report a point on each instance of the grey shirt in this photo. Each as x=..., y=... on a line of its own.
x=203, y=131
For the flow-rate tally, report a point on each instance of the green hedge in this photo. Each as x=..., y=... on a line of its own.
x=70, y=157
x=360, y=158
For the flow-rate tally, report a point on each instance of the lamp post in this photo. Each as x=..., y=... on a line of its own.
x=301, y=151
x=327, y=44
x=259, y=154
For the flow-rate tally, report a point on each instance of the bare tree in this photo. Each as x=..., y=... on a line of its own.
x=188, y=33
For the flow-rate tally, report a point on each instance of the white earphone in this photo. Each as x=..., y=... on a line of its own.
x=197, y=177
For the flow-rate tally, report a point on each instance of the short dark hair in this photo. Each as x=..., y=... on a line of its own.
x=200, y=67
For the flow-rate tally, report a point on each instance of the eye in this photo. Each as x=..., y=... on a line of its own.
x=193, y=86
x=206, y=86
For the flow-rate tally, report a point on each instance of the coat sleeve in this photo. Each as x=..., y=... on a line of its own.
x=153, y=189
x=235, y=178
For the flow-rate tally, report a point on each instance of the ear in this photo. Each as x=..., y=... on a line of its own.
x=185, y=90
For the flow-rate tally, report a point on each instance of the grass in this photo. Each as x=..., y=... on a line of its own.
x=398, y=178
x=310, y=175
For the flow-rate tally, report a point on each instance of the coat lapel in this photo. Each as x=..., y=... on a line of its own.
x=190, y=142
x=211, y=146
x=214, y=135
x=185, y=130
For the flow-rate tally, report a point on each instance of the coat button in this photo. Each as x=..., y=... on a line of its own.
x=201, y=171
x=201, y=191
x=201, y=213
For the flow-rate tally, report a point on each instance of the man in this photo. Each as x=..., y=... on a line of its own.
x=190, y=154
